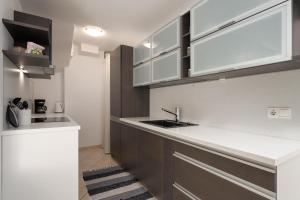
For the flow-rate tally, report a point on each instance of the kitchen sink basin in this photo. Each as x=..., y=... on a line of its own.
x=168, y=123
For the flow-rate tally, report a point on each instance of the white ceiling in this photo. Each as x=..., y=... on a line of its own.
x=125, y=21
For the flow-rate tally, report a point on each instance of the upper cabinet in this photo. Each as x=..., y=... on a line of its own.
x=166, y=39
x=262, y=39
x=142, y=74
x=142, y=52
x=225, y=39
x=167, y=67
x=212, y=15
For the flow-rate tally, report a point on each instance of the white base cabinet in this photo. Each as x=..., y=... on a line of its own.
x=40, y=166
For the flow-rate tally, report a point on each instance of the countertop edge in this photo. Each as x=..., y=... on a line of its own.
x=244, y=156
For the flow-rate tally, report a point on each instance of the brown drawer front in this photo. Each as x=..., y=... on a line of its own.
x=206, y=185
x=180, y=195
x=263, y=178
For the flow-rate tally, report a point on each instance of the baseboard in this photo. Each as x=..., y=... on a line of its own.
x=90, y=147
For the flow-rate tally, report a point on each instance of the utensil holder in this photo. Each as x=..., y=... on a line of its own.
x=24, y=117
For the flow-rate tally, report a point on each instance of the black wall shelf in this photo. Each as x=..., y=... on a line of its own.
x=27, y=32
x=26, y=59
x=30, y=28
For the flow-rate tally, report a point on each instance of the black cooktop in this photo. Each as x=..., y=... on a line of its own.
x=49, y=119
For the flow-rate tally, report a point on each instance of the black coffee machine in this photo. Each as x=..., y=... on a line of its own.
x=39, y=106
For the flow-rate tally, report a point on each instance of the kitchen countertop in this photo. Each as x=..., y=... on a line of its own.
x=45, y=126
x=264, y=150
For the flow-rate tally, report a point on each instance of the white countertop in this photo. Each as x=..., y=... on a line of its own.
x=44, y=126
x=265, y=150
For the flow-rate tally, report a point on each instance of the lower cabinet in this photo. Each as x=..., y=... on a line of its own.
x=150, y=155
x=172, y=170
x=129, y=149
x=115, y=140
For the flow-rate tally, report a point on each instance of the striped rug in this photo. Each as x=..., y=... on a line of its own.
x=114, y=183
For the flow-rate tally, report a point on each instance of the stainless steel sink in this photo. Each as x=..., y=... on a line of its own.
x=168, y=123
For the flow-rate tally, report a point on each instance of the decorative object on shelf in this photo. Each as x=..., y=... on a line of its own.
x=18, y=49
x=11, y=115
x=34, y=48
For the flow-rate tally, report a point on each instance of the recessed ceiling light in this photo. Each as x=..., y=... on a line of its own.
x=94, y=31
x=147, y=45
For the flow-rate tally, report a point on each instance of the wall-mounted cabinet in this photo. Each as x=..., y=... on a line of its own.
x=142, y=52
x=166, y=39
x=212, y=15
x=226, y=40
x=142, y=74
x=167, y=67
x=262, y=39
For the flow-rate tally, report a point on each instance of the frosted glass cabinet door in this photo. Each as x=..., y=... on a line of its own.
x=262, y=39
x=142, y=52
x=166, y=39
x=167, y=67
x=210, y=15
x=142, y=75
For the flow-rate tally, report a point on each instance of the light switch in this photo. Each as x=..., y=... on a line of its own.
x=285, y=113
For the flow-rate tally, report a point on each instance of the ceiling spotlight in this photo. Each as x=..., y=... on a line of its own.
x=94, y=31
x=147, y=45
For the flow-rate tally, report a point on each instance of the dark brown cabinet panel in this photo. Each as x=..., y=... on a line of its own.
x=129, y=149
x=150, y=169
x=178, y=195
x=126, y=101
x=208, y=186
x=254, y=175
x=163, y=166
x=115, y=83
x=115, y=140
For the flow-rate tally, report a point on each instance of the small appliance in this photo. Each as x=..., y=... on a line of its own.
x=11, y=115
x=39, y=106
x=59, y=107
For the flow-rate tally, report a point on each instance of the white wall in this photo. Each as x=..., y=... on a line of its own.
x=52, y=90
x=13, y=82
x=85, y=96
x=106, y=142
x=239, y=104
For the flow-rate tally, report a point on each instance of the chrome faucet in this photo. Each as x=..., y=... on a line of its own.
x=176, y=113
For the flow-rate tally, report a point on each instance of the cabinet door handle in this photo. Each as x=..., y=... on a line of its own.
x=163, y=53
x=227, y=25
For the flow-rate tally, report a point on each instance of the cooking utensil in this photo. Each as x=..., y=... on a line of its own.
x=11, y=115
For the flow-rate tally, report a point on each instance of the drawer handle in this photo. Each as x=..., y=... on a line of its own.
x=163, y=53
x=227, y=25
x=185, y=192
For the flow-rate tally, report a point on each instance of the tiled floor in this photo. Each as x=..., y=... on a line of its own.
x=92, y=158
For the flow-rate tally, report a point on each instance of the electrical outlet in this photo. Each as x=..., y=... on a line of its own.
x=273, y=113
x=280, y=113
